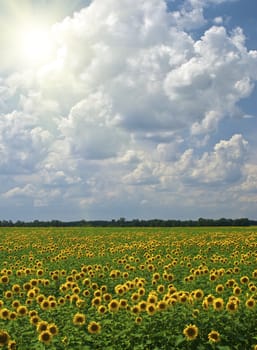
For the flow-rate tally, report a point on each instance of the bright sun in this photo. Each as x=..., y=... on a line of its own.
x=35, y=45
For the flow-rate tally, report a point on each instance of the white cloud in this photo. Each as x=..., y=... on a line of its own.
x=130, y=102
x=218, y=20
x=188, y=19
x=23, y=143
x=223, y=165
x=91, y=128
x=40, y=197
x=155, y=76
x=208, y=85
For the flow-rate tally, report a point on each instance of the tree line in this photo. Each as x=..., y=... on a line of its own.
x=123, y=222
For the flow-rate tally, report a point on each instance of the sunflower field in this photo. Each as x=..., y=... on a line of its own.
x=128, y=288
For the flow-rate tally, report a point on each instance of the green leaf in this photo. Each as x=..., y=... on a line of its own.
x=179, y=340
x=223, y=347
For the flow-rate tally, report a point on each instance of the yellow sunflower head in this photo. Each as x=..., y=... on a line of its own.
x=45, y=337
x=79, y=319
x=4, y=338
x=191, y=332
x=214, y=337
x=94, y=327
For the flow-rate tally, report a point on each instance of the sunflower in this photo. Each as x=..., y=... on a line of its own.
x=209, y=298
x=152, y=298
x=29, y=301
x=34, y=320
x=244, y=279
x=45, y=304
x=162, y=305
x=218, y=304
x=74, y=298
x=119, y=289
x=236, y=290
x=15, y=304
x=22, y=310
x=160, y=288
x=40, y=298
x=235, y=299
x=219, y=288
x=250, y=303
x=113, y=305
x=183, y=297
x=214, y=337
x=63, y=288
x=40, y=272
x=4, y=313
x=107, y=297
x=135, y=309
x=138, y=320
x=102, y=309
x=4, y=338
x=97, y=293
x=198, y=294
x=46, y=282
x=12, y=315
x=27, y=286
x=191, y=332
x=33, y=313
x=195, y=313
x=8, y=294
x=31, y=293
x=142, y=305
x=34, y=282
x=79, y=319
x=53, y=304
x=172, y=289
x=52, y=328
x=252, y=288
x=212, y=277
x=236, y=269
x=61, y=301
x=150, y=309
x=230, y=283
x=4, y=279
x=76, y=290
x=45, y=337
x=42, y=326
x=12, y=345
x=205, y=304
x=16, y=288
x=86, y=293
x=231, y=306
x=86, y=282
x=96, y=301
x=171, y=301
x=94, y=286
x=94, y=327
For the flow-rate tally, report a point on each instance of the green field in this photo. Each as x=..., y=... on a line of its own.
x=128, y=288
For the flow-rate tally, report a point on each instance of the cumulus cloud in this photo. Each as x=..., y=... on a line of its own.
x=92, y=130
x=154, y=74
x=208, y=85
x=224, y=164
x=120, y=104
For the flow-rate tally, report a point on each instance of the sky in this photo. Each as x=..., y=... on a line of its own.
x=132, y=108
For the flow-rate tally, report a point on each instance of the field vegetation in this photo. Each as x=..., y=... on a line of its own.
x=128, y=288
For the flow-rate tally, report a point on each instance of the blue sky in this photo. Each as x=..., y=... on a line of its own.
x=142, y=109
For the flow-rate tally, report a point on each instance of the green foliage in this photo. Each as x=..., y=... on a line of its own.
x=69, y=265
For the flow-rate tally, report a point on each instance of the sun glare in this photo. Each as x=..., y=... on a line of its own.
x=35, y=45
